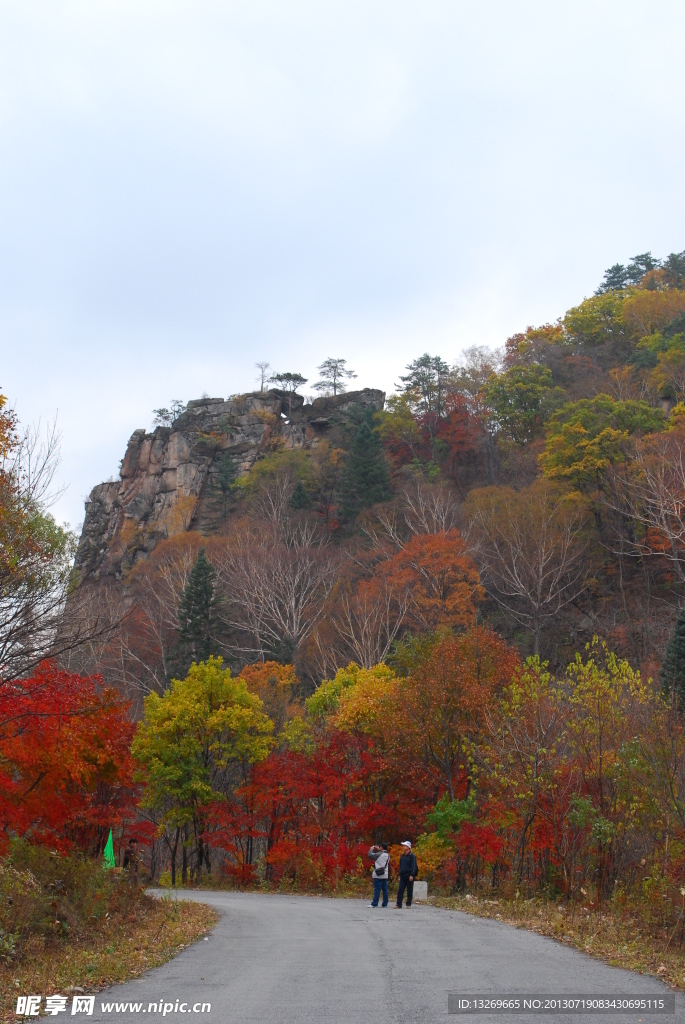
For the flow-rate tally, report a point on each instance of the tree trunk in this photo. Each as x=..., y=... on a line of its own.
x=174, y=850
x=184, y=851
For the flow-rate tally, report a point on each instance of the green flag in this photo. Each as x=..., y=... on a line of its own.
x=109, y=861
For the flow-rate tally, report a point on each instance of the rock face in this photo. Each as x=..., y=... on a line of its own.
x=171, y=478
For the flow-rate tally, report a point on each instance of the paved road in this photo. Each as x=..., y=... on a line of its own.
x=308, y=960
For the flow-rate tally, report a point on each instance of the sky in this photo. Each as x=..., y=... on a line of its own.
x=189, y=187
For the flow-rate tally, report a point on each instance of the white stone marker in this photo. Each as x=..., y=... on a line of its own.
x=420, y=891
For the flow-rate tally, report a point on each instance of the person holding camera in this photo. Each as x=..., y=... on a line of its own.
x=381, y=858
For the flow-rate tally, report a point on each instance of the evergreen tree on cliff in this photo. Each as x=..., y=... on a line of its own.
x=672, y=674
x=365, y=479
x=299, y=499
x=220, y=486
x=197, y=616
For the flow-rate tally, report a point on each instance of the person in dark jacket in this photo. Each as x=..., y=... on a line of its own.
x=408, y=871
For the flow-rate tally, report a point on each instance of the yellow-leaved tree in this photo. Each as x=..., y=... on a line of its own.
x=193, y=746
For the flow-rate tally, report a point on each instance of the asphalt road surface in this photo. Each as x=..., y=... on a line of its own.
x=312, y=960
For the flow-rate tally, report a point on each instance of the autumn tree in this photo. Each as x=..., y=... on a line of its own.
x=532, y=547
x=365, y=699
x=276, y=686
x=274, y=575
x=597, y=322
x=605, y=699
x=478, y=365
x=237, y=822
x=421, y=507
x=652, y=496
x=65, y=767
x=521, y=399
x=362, y=704
x=646, y=311
x=583, y=439
x=365, y=617
x=319, y=809
x=441, y=577
x=399, y=431
x=450, y=686
x=311, y=805
x=139, y=654
x=194, y=744
x=523, y=750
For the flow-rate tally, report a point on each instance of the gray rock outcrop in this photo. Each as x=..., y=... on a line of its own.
x=170, y=478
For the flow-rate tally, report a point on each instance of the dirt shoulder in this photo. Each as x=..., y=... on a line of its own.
x=123, y=949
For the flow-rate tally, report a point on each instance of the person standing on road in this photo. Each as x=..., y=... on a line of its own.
x=381, y=858
x=409, y=868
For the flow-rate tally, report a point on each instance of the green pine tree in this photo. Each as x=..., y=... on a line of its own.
x=299, y=499
x=221, y=495
x=197, y=615
x=365, y=478
x=672, y=674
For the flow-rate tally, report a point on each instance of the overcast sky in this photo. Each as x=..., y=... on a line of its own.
x=188, y=187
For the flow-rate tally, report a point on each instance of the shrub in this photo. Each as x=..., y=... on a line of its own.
x=56, y=897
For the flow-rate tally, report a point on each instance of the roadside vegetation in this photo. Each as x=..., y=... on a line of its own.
x=68, y=925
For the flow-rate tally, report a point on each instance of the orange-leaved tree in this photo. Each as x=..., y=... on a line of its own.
x=275, y=685
x=441, y=577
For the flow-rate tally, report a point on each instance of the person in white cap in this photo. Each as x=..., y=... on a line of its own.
x=409, y=868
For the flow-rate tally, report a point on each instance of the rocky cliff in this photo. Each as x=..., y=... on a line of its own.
x=169, y=479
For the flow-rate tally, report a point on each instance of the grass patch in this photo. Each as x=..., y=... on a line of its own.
x=66, y=924
x=615, y=933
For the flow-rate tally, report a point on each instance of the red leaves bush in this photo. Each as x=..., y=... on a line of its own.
x=482, y=841
x=65, y=765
